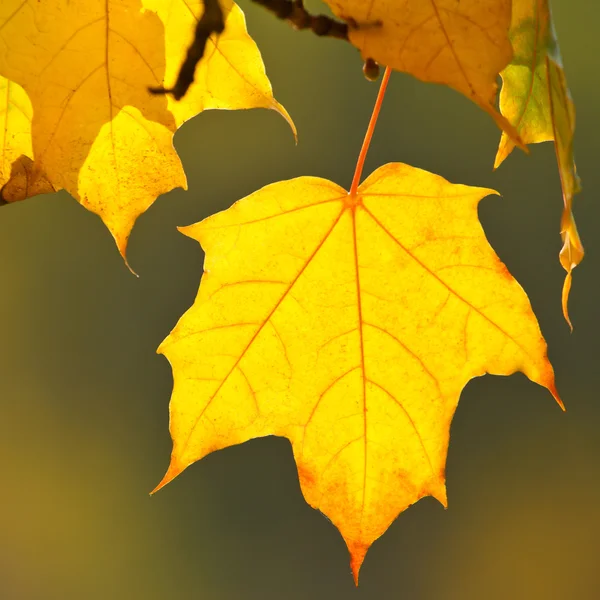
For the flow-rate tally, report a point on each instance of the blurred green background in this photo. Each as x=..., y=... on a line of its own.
x=84, y=398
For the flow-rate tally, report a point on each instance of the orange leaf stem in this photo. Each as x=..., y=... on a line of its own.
x=360, y=163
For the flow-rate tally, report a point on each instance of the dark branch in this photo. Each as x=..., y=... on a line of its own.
x=293, y=12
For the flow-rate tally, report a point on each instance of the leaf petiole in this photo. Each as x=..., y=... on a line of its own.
x=360, y=163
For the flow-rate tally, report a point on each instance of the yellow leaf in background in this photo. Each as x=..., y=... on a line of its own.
x=460, y=44
x=348, y=324
x=86, y=66
x=536, y=100
x=232, y=76
x=16, y=153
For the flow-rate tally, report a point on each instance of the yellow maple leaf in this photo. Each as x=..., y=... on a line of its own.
x=460, y=44
x=348, y=323
x=86, y=66
x=536, y=100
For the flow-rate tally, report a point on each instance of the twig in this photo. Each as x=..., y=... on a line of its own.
x=293, y=12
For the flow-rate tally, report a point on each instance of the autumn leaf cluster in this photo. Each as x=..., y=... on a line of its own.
x=347, y=321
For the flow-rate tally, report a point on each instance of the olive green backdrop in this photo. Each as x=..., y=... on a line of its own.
x=84, y=398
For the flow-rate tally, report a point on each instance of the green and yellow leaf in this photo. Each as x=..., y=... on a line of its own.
x=536, y=100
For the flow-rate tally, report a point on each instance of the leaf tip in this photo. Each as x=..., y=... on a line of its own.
x=187, y=230
x=122, y=251
x=439, y=493
x=160, y=349
x=129, y=266
x=571, y=254
x=504, y=149
x=508, y=129
x=565, y=299
x=552, y=389
x=358, y=551
x=172, y=472
x=284, y=113
x=120, y=233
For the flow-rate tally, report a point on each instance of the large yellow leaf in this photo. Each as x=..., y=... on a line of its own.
x=536, y=100
x=463, y=44
x=86, y=66
x=348, y=324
